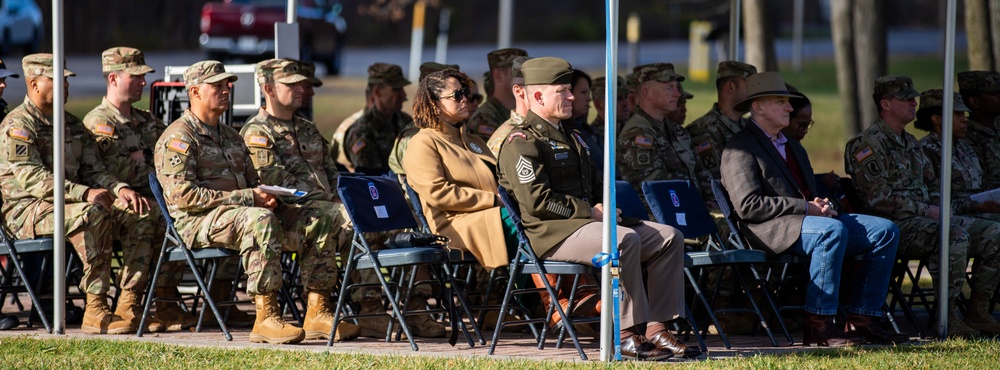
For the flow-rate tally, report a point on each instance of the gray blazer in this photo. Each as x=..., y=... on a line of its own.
x=768, y=205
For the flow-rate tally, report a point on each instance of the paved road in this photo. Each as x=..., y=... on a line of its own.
x=587, y=56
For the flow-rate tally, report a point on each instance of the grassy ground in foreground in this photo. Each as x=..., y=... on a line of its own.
x=19, y=353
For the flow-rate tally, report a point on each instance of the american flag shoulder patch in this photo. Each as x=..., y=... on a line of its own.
x=643, y=141
x=19, y=133
x=105, y=129
x=179, y=146
x=703, y=147
x=257, y=141
x=864, y=153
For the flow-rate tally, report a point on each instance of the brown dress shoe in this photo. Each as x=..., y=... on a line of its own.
x=819, y=329
x=665, y=340
x=637, y=348
x=869, y=327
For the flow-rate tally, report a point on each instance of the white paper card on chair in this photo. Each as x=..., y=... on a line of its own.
x=380, y=212
x=987, y=195
x=682, y=219
x=280, y=190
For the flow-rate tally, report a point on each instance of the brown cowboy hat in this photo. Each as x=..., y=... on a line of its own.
x=763, y=84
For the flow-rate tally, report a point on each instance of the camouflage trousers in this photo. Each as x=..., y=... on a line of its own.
x=970, y=238
x=315, y=231
x=88, y=228
x=255, y=232
x=141, y=237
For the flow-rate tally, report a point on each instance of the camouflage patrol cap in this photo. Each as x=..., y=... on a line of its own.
x=631, y=80
x=899, y=86
x=386, y=73
x=40, y=65
x=662, y=72
x=4, y=72
x=308, y=69
x=984, y=81
x=934, y=98
x=687, y=95
x=206, y=72
x=735, y=69
x=129, y=60
x=431, y=67
x=597, y=91
x=504, y=57
x=515, y=66
x=547, y=71
x=284, y=71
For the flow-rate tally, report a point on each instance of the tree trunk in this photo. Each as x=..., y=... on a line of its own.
x=758, y=35
x=869, y=55
x=843, y=43
x=977, y=30
x=994, y=11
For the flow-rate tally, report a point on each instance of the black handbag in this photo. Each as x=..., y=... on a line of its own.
x=416, y=239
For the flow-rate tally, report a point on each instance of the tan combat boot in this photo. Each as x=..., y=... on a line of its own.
x=956, y=327
x=376, y=326
x=978, y=314
x=130, y=310
x=423, y=325
x=237, y=318
x=98, y=319
x=171, y=314
x=269, y=326
x=319, y=320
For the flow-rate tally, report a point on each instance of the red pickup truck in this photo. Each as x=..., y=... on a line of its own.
x=245, y=29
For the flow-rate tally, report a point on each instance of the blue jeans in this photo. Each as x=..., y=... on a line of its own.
x=826, y=241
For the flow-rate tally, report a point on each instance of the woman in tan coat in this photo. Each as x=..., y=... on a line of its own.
x=453, y=172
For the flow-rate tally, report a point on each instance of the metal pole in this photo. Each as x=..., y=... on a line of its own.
x=799, y=14
x=417, y=38
x=58, y=169
x=608, y=333
x=291, y=13
x=946, y=145
x=734, y=30
x=505, y=23
x=441, y=54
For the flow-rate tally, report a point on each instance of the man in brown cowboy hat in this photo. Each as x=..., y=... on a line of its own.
x=771, y=185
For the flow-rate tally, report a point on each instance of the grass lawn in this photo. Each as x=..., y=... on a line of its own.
x=24, y=352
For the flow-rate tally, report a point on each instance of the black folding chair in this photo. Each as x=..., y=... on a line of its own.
x=175, y=249
x=678, y=203
x=526, y=262
x=14, y=279
x=377, y=204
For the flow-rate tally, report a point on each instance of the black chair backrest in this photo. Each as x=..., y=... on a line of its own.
x=678, y=204
x=418, y=209
x=154, y=185
x=375, y=203
x=628, y=201
x=726, y=206
x=515, y=215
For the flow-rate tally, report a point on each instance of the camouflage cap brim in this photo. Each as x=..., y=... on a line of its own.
x=292, y=79
x=221, y=77
x=315, y=81
x=139, y=70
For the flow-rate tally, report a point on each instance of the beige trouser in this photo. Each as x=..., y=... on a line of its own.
x=661, y=247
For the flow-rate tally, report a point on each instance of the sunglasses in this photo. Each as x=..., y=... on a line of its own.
x=458, y=95
x=806, y=125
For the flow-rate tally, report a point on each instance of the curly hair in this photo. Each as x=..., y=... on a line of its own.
x=425, y=113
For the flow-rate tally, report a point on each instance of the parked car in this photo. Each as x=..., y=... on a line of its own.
x=245, y=29
x=20, y=26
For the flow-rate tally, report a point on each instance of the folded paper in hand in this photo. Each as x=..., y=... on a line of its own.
x=993, y=195
x=279, y=190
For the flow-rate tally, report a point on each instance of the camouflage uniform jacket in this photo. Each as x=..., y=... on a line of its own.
x=368, y=143
x=710, y=134
x=985, y=139
x=496, y=141
x=966, y=172
x=487, y=118
x=292, y=154
x=549, y=172
x=3, y=109
x=650, y=150
x=202, y=168
x=399, y=148
x=119, y=137
x=337, y=141
x=889, y=171
x=26, y=167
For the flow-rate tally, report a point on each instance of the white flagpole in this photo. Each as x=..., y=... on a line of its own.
x=59, y=170
x=610, y=348
x=946, y=146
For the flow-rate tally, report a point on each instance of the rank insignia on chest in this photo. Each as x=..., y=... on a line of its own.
x=19, y=134
x=643, y=141
x=104, y=129
x=257, y=141
x=525, y=171
x=179, y=146
x=703, y=147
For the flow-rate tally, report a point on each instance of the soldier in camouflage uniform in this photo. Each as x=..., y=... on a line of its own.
x=6, y=321
x=26, y=185
x=501, y=99
x=890, y=171
x=210, y=187
x=711, y=132
x=981, y=93
x=337, y=141
x=650, y=147
x=403, y=138
x=520, y=107
x=368, y=143
x=679, y=116
x=622, y=109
